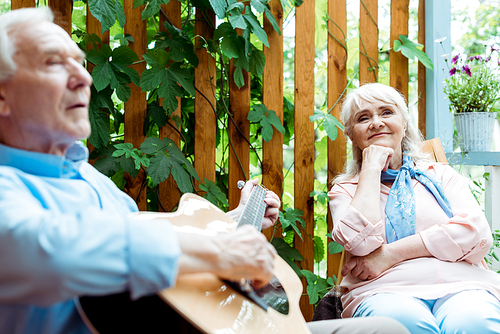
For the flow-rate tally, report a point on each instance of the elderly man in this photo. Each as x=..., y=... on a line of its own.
x=65, y=229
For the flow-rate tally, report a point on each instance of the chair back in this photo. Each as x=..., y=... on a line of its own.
x=435, y=148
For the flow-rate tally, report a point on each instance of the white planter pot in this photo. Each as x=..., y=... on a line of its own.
x=475, y=130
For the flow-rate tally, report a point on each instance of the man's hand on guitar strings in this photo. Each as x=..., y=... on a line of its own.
x=247, y=255
x=244, y=253
x=272, y=200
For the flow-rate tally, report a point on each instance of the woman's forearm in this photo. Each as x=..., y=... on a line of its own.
x=386, y=256
x=366, y=199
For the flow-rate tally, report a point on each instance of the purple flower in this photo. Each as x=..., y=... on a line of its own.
x=467, y=71
x=455, y=59
x=453, y=70
x=474, y=58
x=494, y=48
x=488, y=59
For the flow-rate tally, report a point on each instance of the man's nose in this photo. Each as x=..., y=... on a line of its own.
x=79, y=77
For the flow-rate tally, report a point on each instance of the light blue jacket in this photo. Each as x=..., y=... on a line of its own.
x=65, y=232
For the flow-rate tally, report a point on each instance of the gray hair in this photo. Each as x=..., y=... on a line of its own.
x=378, y=92
x=8, y=22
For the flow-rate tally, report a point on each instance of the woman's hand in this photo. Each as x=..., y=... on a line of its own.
x=387, y=255
x=379, y=156
x=372, y=265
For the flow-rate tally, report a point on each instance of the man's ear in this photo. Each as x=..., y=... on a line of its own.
x=4, y=105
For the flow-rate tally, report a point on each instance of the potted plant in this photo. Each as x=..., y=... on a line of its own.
x=473, y=87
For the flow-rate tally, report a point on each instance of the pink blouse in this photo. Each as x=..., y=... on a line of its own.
x=458, y=244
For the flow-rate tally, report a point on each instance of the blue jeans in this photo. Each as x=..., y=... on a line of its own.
x=470, y=311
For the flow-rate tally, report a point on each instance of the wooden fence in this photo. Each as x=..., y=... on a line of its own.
x=272, y=159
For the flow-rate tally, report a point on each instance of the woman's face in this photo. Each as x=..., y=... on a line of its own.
x=378, y=123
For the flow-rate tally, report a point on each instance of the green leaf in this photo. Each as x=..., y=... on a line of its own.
x=123, y=149
x=178, y=156
x=104, y=11
x=151, y=78
x=272, y=20
x=256, y=28
x=319, y=249
x=237, y=20
x=153, y=8
x=330, y=125
x=257, y=61
x=219, y=7
x=99, y=119
x=140, y=159
x=123, y=92
x=316, y=286
x=99, y=122
x=137, y=3
x=183, y=77
x=179, y=44
x=274, y=120
x=153, y=145
x=159, y=168
x=170, y=90
x=289, y=218
x=128, y=166
x=96, y=56
x=158, y=115
x=213, y=193
x=285, y=250
x=318, y=115
x=411, y=50
x=107, y=165
x=123, y=56
x=120, y=13
x=232, y=44
x=334, y=248
x=181, y=177
x=258, y=114
x=322, y=196
x=258, y=6
x=101, y=76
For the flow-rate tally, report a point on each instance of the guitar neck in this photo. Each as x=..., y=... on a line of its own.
x=254, y=210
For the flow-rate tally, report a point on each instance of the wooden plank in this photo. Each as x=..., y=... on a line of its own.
x=238, y=133
x=94, y=27
x=168, y=192
x=422, y=89
x=272, y=95
x=398, y=63
x=136, y=106
x=62, y=13
x=205, y=119
x=304, y=137
x=435, y=148
x=16, y=4
x=368, y=41
x=337, y=81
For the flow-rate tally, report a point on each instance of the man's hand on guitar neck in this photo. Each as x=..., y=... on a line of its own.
x=272, y=200
x=244, y=253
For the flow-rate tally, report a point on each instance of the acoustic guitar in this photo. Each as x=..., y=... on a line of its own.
x=202, y=302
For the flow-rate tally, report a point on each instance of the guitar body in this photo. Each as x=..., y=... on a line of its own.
x=206, y=302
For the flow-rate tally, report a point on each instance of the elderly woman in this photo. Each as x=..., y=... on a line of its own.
x=415, y=234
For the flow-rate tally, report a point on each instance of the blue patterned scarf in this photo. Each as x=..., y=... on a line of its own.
x=400, y=206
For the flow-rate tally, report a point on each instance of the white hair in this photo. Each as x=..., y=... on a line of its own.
x=8, y=23
x=373, y=92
